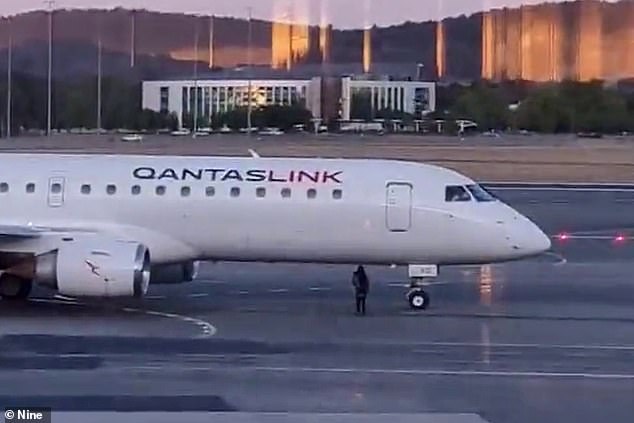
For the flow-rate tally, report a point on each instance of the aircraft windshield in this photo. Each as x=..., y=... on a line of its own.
x=456, y=193
x=480, y=194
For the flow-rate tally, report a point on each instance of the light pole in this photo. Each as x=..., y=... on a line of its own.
x=51, y=5
x=99, y=74
x=196, y=99
x=249, y=65
x=9, y=82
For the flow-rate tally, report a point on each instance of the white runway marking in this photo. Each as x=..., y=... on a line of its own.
x=201, y=295
x=64, y=298
x=278, y=291
x=53, y=301
x=527, y=345
x=319, y=288
x=561, y=259
x=210, y=282
x=562, y=187
x=406, y=372
x=208, y=330
x=440, y=372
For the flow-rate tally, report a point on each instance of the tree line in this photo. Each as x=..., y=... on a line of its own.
x=74, y=105
x=567, y=107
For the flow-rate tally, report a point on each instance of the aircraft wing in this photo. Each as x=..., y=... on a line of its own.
x=35, y=231
x=21, y=231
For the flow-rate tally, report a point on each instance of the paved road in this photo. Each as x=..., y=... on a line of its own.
x=548, y=340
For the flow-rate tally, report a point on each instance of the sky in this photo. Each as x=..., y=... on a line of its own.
x=342, y=13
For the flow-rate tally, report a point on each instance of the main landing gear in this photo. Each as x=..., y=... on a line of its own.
x=14, y=288
x=417, y=297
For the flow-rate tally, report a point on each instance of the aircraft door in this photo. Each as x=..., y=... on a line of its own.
x=56, y=187
x=398, y=206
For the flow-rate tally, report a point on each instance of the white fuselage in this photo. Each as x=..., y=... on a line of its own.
x=263, y=209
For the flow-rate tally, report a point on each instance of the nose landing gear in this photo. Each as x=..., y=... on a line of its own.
x=417, y=297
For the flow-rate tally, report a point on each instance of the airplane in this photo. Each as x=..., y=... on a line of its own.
x=94, y=225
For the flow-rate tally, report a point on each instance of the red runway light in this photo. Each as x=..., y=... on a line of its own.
x=563, y=236
x=619, y=238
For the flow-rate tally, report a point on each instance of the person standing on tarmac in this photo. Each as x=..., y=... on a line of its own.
x=361, y=285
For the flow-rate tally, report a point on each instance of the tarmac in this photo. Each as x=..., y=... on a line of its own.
x=549, y=339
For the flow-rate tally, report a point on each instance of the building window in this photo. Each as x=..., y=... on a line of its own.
x=235, y=192
x=4, y=187
x=30, y=188
x=185, y=191
x=135, y=190
x=286, y=193
x=210, y=191
x=311, y=194
x=337, y=194
x=160, y=190
x=110, y=189
x=185, y=100
x=165, y=99
x=85, y=189
x=260, y=192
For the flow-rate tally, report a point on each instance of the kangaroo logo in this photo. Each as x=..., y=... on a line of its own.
x=93, y=267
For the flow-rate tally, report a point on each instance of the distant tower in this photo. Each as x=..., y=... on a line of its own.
x=325, y=33
x=132, y=38
x=488, y=43
x=590, y=41
x=367, y=38
x=211, y=41
x=441, y=46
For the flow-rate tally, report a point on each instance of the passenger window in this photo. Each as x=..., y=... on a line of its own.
x=456, y=193
x=56, y=188
x=260, y=192
x=235, y=192
x=337, y=194
x=4, y=187
x=135, y=190
x=185, y=191
x=311, y=193
x=286, y=193
x=30, y=188
x=210, y=191
x=110, y=189
x=160, y=190
x=85, y=189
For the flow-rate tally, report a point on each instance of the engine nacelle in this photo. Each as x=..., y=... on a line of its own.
x=164, y=274
x=96, y=269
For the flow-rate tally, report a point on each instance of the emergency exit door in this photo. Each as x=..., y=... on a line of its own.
x=399, y=207
x=56, y=191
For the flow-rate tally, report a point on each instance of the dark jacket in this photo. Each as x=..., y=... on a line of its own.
x=361, y=284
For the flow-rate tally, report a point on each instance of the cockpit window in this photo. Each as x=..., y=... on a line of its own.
x=456, y=193
x=480, y=194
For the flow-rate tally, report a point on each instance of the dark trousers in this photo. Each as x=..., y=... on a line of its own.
x=361, y=304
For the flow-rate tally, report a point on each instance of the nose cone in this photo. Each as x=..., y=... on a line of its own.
x=527, y=239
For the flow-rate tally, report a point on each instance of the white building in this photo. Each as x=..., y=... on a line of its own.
x=413, y=97
x=358, y=98
x=220, y=96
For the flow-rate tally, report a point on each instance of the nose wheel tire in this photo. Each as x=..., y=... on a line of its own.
x=14, y=288
x=418, y=299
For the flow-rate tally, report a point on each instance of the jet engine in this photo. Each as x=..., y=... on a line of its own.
x=174, y=273
x=96, y=269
